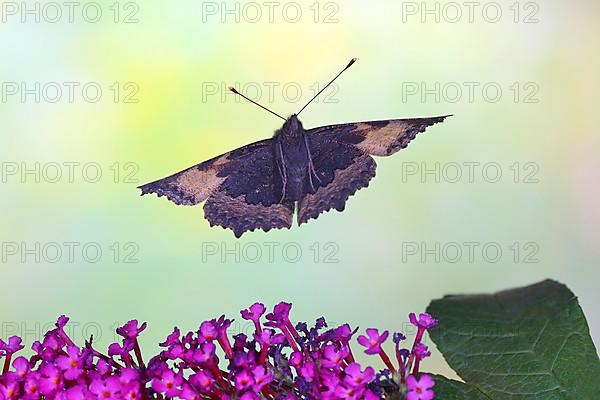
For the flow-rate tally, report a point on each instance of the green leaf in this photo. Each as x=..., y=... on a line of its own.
x=526, y=343
x=448, y=389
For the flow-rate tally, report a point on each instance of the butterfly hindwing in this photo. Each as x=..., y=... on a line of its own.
x=240, y=189
x=240, y=216
x=250, y=197
x=344, y=183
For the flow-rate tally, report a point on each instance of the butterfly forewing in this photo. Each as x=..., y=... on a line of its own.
x=378, y=138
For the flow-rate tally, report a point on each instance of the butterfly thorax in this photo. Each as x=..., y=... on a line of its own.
x=292, y=157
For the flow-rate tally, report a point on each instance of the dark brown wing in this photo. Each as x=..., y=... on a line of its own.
x=242, y=189
x=342, y=158
x=239, y=215
x=344, y=182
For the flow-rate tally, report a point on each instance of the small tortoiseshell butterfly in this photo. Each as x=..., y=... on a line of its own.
x=260, y=185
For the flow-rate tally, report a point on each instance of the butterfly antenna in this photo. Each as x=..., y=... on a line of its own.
x=253, y=102
x=326, y=86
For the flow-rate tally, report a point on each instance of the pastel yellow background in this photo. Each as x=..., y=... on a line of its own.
x=172, y=56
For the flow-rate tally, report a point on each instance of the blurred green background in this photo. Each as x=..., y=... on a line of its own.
x=164, y=115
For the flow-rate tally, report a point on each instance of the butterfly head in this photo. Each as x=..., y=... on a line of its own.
x=292, y=126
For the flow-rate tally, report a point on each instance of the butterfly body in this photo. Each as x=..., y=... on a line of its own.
x=294, y=161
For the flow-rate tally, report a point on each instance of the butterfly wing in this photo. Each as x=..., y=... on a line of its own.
x=242, y=189
x=342, y=169
x=342, y=158
x=378, y=138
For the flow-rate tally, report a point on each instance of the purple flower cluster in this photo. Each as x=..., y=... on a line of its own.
x=280, y=361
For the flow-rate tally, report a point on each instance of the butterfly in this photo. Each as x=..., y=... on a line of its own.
x=311, y=171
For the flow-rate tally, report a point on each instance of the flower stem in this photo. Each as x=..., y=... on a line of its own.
x=387, y=361
x=6, y=363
